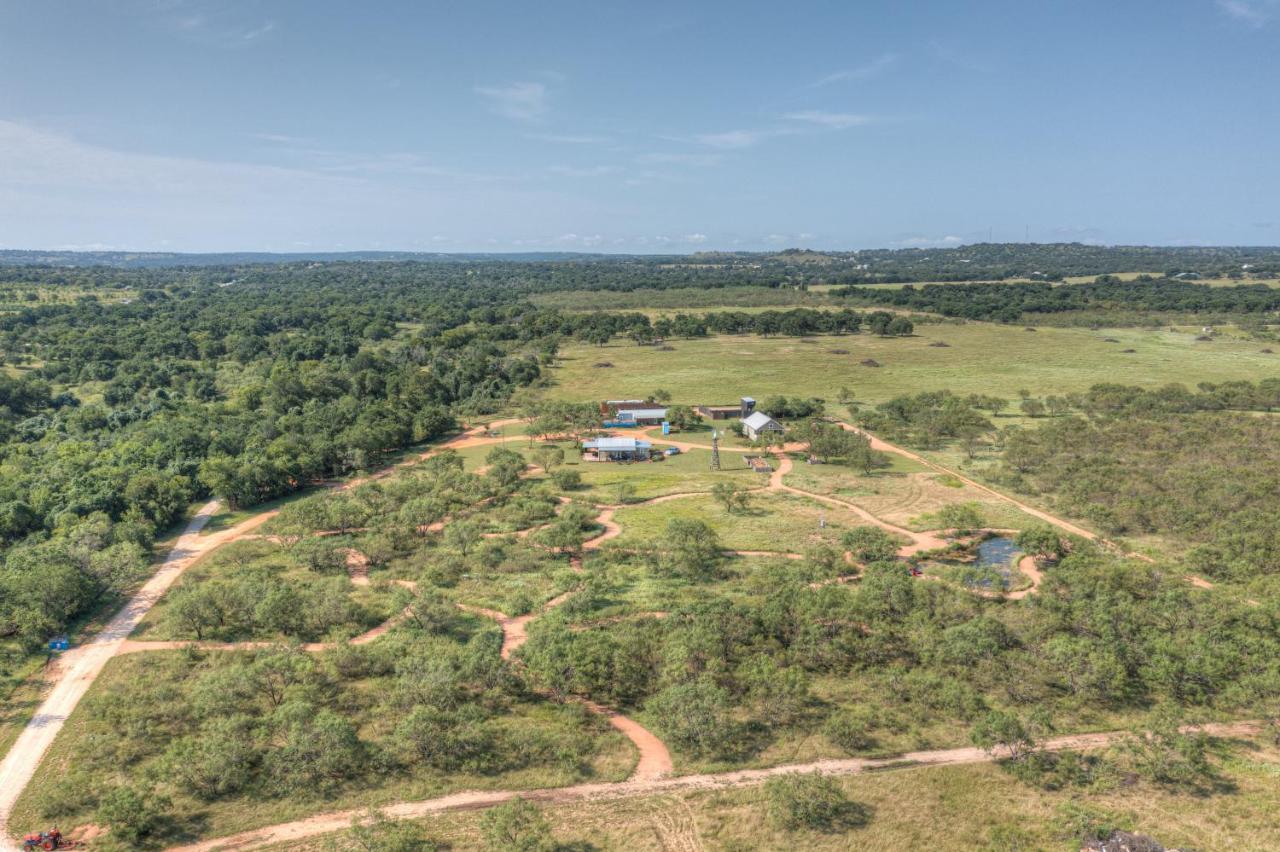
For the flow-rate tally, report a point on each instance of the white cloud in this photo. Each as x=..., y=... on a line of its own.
x=520, y=101
x=930, y=242
x=1252, y=13
x=589, y=171
x=664, y=158
x=567, y=139
x=732, y=138
x=695, y=239
x=55, y=189
x=871, y=69
x=258, y=32
x=834, y=120
x=575, y=239
x=208, y=24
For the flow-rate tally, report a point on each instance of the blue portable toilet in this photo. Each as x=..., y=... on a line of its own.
x=666, y=428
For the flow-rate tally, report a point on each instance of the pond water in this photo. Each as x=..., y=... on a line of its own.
x=996, y=552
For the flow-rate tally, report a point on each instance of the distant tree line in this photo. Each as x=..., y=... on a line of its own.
x=1016, y=302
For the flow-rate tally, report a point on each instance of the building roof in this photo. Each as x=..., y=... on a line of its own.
x=759, y=421
x=617, y=402
x=616, y=444
x=643, y=413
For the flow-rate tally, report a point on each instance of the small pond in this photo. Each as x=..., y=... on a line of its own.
x=996, y=552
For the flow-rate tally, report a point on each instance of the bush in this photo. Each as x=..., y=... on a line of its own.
x=695, y=716
x=850, y=729
x=567, y=479
x=516, y=826
x=131, y=813
x=811, y=801
x=870, y=544
x=374, y=832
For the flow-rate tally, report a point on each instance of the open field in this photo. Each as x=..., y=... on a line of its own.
x=905, y=498
x=978, y=806
x=681, y=299
x=778, y=522
x=979, y=358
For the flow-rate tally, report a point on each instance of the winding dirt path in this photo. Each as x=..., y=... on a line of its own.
x=476, y=800
x=81, y=666
x=654, y=761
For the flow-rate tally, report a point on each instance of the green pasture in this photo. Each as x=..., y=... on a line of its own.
x=978, y=358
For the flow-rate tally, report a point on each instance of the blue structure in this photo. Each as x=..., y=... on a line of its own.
x=59, y=643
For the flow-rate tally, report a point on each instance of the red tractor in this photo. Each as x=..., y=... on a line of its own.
x=51, y=839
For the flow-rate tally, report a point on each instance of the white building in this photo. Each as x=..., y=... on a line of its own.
x=758, y=424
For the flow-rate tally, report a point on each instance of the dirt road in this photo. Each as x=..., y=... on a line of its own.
x=80, y=666
x=340, y=820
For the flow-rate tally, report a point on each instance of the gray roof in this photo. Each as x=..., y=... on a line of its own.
x=616, y=444
x=645, y=413
x=759, y=420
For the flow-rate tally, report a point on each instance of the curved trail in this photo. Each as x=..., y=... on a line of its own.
x=341, y=820
x=654, y=759
x=82, y=665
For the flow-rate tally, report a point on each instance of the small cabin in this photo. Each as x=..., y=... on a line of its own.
x=759, y=424
x=616, y=449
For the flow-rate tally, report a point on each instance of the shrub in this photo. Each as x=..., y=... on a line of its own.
x=850, y=729
x=695, y=716
x=131, y=813
x=811, y=801
x=567, y=479
x=516, y=826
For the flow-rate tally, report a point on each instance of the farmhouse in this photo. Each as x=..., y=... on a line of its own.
x=615, y=449
x=728, y=412
x=758, y=424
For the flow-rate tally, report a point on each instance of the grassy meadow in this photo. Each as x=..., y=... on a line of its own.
x=979, y=358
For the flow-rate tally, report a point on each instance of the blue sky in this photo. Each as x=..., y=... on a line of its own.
x=626, y=126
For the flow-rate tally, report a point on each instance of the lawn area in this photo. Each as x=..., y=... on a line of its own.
x=978, y=806
x=780, y=522
x=979, y=358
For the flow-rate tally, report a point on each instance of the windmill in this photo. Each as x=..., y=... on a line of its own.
x=715, y=450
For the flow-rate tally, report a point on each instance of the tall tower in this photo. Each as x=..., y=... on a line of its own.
x=715, y=450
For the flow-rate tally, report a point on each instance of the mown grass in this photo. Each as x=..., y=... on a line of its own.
x=979, y=358
x=776, y=522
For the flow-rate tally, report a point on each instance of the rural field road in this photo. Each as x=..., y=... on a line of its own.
x=475, y=800
x=80, y=667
